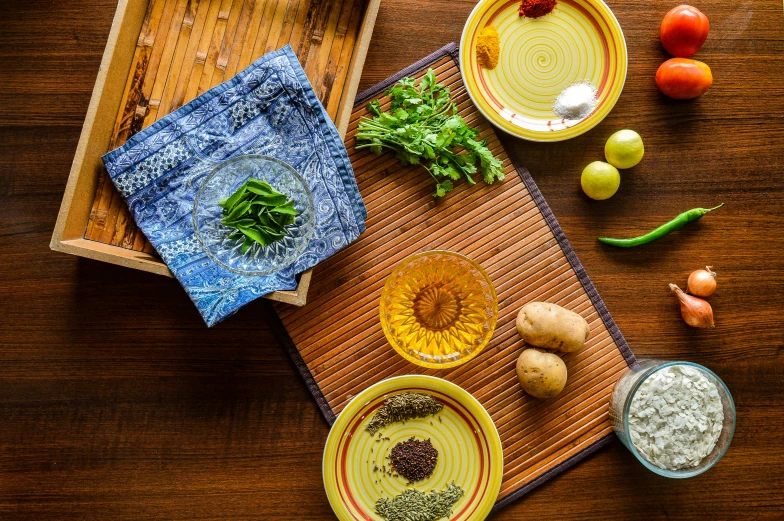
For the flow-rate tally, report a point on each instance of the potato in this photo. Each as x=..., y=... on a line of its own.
x=541, y=374
x=542, y=324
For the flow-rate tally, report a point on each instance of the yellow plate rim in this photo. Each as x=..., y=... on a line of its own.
x=390, y=385
x=530, y=135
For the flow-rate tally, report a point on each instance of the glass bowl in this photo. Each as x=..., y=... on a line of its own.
x=621, y=400
x=213, y=236
x=438, y=309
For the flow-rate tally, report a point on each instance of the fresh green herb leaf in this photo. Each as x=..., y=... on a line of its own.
x=286, y=210
x=443, y=187
x=237, y=211
x=260, y=190
x=261, y=185
x=422, y=127
x=258, y=213
x=231, y=201
x=247, y=243
x=374, y=108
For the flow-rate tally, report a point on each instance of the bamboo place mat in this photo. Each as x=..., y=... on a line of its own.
x=336, y=340
x=187, y=47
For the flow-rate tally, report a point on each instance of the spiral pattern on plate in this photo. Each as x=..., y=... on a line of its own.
x=469, y=451
x=579, y=41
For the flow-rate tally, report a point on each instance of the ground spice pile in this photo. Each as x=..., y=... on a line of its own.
x=536, y=8
x=488, y=47
x=414, y=459
x=402, y=407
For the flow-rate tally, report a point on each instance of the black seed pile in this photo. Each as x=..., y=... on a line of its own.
x=414, y=459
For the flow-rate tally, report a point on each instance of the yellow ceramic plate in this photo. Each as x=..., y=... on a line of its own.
x=469, y=451
x=579, y=41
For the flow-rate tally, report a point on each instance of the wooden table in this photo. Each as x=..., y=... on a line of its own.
x=117, y=403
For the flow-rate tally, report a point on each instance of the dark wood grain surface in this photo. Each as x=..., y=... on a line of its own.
x=117, y=403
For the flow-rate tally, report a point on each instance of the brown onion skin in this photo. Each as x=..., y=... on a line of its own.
x=702, y=283
x=695, y=311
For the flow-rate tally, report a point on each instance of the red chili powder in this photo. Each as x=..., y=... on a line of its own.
x=536, y=8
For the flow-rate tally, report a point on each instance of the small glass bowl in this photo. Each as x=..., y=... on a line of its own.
x=621, y=400
x=213, y=236
x=438, y=309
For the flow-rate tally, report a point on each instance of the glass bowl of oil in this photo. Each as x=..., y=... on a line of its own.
x=438, y=309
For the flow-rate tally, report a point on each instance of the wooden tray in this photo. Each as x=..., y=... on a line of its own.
x=160, y=55
x=336, y=340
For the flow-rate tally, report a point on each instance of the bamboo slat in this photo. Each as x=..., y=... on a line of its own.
x=186, y=47
x=339, y=336
x=235, y=33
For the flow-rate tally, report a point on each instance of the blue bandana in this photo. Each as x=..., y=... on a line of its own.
x=270, y=108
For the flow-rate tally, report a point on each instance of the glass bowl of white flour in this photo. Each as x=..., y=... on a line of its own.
x=677, y=418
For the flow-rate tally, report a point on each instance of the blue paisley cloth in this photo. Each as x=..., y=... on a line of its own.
x=270, y=108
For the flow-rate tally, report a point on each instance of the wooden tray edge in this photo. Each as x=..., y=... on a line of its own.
x=355, y=68
x=75, y=206
x=72, y=219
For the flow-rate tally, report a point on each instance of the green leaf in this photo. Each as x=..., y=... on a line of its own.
x=239, y=223
x=429, y=80
x=286, y=210
x=278, y=234
x=229, y=202
x=400, y=114
x=254, y=233
x=237, y=211
x=246, y=245
x=388, y=120
x=272, y=200
x=374, y=108
x=252, y=182
x=265, y=218
x=422, y=126
x=261, y=191
x=258, y=213
x=442, y=188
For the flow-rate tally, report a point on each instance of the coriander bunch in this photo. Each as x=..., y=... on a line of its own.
x=423, y=128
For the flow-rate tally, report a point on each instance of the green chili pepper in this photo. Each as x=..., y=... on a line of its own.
x=676, y=224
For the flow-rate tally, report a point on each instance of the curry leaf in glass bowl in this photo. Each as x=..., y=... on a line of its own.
x=258, y=213
x=277, y=238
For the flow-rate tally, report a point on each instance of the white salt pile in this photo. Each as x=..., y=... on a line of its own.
x=576, y=101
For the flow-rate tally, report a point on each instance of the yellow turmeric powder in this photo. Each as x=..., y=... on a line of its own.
x=488, y=47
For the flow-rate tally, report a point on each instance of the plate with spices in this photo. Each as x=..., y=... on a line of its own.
x=543, y=70
x=413, y=447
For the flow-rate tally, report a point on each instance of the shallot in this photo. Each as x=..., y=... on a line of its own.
x=695, y=311
x=702, y=283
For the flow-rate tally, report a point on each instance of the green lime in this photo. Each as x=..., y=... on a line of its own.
x=624, y=149
x=600, y=180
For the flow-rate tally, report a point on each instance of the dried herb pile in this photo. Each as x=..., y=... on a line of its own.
x=258, y=213
x=402, y=407
x=423, y=128
x=413, y=505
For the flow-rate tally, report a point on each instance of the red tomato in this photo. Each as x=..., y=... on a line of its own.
x=684, y=30
x=683, y=78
